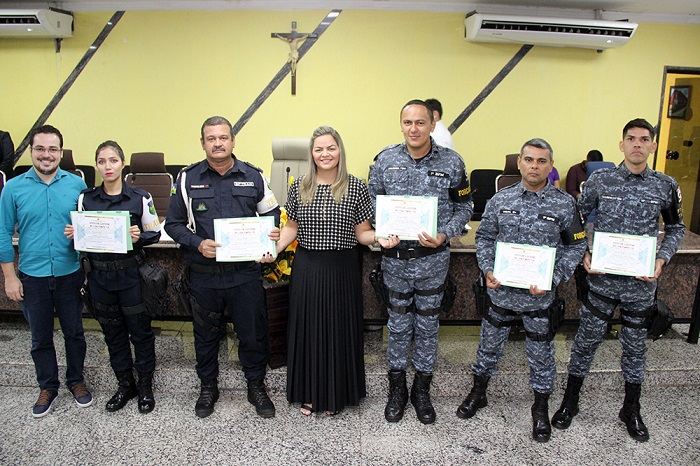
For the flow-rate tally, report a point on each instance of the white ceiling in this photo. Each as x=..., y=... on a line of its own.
x=673, y=11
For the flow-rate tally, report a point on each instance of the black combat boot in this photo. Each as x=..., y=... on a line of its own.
x=476, y=398
x=420, y=397
x=629, y=414
x=569, y=405
x=208, y=395
x=541, y=429
x=398, y=396
x=145, y=388
x=257, y=396
x=126, y=390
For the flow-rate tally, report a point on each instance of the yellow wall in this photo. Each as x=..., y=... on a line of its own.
x=160, y=74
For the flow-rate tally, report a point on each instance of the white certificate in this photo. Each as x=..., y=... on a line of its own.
x=619, y=254
x=522, y=265
x=243, y=239
x=406, y=216
x=96, y=231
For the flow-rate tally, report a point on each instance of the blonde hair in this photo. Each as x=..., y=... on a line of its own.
x=307, y=186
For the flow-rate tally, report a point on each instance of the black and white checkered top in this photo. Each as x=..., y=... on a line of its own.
x=324, y=224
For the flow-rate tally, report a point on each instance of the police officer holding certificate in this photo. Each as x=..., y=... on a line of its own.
x=415, y=271
x=628, y=199
x=532, y=212
x=223, y=186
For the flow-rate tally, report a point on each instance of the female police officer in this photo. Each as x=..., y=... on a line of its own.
x=114, y=282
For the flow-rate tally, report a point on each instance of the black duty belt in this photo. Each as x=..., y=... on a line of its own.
x=213, y=269
x=413, y=253
x=115, y=265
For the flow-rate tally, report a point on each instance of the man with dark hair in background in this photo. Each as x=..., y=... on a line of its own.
x=440, y=133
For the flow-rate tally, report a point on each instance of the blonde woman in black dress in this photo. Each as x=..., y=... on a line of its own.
x=329, y=212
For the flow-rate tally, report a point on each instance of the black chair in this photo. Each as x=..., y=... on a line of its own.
x=148, y=172
x=68, y=164
x=483, y=185
x=511, y=174
x=3, y=179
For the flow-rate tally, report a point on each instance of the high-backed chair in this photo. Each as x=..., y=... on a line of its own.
x=289, y=159
x=148, y=172
x=511, y=174
x=483, y=185
x=3, y=179
x=68, y=164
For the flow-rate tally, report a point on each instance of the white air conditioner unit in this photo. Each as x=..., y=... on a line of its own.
x=556, y=32
x=35, y=23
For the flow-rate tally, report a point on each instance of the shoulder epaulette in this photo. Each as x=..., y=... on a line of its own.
x=189, y=167
x=393, y=146
x=253, y=166
x=88, y=190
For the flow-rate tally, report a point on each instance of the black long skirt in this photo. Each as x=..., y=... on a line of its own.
x=325, y=359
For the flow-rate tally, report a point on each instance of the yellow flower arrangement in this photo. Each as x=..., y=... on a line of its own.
x=281, y=269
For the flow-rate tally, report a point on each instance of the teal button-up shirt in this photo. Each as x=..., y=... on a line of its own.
x=40, y=211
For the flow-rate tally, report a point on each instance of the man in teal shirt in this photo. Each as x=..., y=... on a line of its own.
x=39, y=203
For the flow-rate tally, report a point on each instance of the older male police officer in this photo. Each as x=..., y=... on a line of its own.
x=536, y=213
x=223, y=186
x=628, y=199
x=418, y=167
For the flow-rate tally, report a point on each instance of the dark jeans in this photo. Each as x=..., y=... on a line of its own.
x=246, y=309
x=118, y=328
x=43, y=295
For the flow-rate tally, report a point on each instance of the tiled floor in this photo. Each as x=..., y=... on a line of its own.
x=499, y=434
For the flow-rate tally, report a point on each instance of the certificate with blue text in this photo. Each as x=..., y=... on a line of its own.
x=102, y=232
x=406, y=216
x=243, y=239
x=619, y=254
x=522, y=265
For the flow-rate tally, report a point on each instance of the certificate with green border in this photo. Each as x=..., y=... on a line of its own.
x=243, y=239
x=618, y=254
x=522, y=265
x=406, y=216
x=102, y=231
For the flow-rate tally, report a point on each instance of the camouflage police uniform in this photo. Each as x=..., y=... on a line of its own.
x=628, y=204
x=414, y=285
x=547, y=217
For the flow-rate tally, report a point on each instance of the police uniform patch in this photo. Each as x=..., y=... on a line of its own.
x=201, y=207
x=151, y=208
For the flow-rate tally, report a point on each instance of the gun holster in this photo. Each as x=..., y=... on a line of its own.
x=481, y=296
x=182, y=288
x=84, y=289
x=376, y=278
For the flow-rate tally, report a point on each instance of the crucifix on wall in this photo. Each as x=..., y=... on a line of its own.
x=293, y=38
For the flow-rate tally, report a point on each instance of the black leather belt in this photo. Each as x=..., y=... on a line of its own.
x=213, y=269
x=114, y=265
x=413, y=253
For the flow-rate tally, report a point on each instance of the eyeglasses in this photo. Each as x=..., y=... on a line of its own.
x=50, y=150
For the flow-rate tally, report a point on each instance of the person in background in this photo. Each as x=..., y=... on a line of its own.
x=329, y=212
x=553, y=177
x=577, y=173
x=39, y=203
x=441, y=135
x=115, y=283
x=535, y=213
x=415, y=271
x=7, y=154
x=628, y=199
x=223, y=186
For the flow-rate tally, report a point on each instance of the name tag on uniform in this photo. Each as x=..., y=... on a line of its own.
x=438, y=174
x=244, y=183
x=547, y=218
x=396, y=168
x=199, y=186
x=610, y=198
x=510, y=212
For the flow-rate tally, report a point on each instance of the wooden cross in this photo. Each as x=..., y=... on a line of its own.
x=293, y=38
